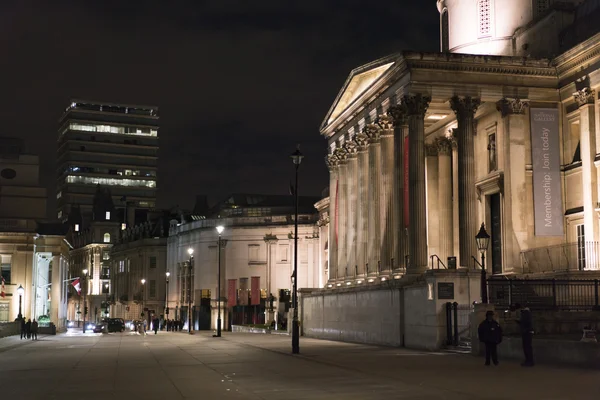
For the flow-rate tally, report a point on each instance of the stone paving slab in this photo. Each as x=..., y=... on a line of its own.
x=249, y=366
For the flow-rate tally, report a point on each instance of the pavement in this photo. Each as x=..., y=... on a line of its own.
x=173, y=365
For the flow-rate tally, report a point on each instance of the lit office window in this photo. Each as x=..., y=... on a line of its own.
x=107, y=238
x=112, y=129
x=108, y=215
x=110, y=181
x=76, y=227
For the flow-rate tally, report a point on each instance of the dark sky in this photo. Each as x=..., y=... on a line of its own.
x=239, y=83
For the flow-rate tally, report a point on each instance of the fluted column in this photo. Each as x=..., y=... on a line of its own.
x=417, y=237
x=373, y=132
x=332, y=163
x=433, y=222
x=342, y=218
x=465, y=108
x=362, y=142
x=351, y=205
x=387, y=194
x=445, y=209
x=399, y=116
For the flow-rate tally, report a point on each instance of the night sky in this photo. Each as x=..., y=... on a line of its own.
x=239, y=83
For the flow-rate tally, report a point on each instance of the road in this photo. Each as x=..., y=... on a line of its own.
x=246, y=366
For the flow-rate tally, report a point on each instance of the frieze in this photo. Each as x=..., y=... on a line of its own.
x=508, y=106
x=584, y=96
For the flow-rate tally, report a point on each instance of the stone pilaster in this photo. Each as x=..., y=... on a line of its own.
x=433, y=222
x=417, y=238
x=516, y=134
x=585, y=99
x=400, y=120
x=387, y=194
x=332, y=262
x=373, y=131
x=362, y=142
x=351, y=206
x=465, y=108
x=342, y=220
x=445, y=206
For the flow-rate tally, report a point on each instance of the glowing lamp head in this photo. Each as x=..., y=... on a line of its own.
x=297, y=156
x=143, y=281
x=168, y=274
x=190, y=251
x=85, y=272
x=482, y=239
x=220, y=229
x=20, y=290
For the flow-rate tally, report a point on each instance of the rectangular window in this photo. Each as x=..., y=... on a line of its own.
x=108, y=215
x=152, y=289
x=105, y=273
x=76, y=227
x=581, y=247
x=105, y=255
x=122, y=266
x=283, y=253
x=5, y=270
x=3, y=312
x=153, y=262
x=253, y=253
x=105, y=288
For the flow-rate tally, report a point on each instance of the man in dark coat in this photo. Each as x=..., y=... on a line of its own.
x=490, y=333
x=28, y=328
x=23, y=331
x=525, y=321
x=34, y=330
x=155, y=323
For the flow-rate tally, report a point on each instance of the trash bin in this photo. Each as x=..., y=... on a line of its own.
x=452, y=262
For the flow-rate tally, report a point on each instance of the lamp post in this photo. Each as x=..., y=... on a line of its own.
x=191, y=264
x=483, y=240
x=106, y=302
x=167, y=274
x=220, y=229
x=143, y=314
x=85, y=274
x=20, y=291
x=297, y=159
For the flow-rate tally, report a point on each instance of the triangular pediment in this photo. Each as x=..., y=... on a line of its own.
x=359, y=81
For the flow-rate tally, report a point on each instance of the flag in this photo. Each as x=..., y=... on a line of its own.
x=2, y=294
x=77, y=285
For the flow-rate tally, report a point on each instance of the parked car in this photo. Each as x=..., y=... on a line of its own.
x=99, y=328
x=116, y=325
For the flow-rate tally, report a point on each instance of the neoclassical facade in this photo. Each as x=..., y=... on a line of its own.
x=425, y=147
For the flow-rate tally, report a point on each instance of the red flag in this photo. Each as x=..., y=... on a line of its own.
x=2, y=294
x=77, y=286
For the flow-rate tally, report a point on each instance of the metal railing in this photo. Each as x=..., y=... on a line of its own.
x=439, y=261
x=561, y=258
x=545, y=294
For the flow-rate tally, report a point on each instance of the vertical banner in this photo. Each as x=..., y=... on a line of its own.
x=243, y=297
x=406, y=184
x=231, y=292
x=255, y=291
x=547, y=195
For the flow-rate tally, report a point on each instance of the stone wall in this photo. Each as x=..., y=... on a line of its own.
x=549, y=351
x=552, y=322
x=9, y=329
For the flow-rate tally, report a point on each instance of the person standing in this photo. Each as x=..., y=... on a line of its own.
x=155, y=323
x=525, y=321
x=28, y=328
x=490, y=333
x=23, y=329
x=34, y=329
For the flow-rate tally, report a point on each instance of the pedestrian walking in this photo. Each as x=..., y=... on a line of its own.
x=155, y=323
x=23, y=329
x=168, y=325
x=525, y=321
x=28, y=328
x=34, y=329
x=490, y=334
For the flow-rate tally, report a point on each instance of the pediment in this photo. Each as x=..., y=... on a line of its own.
x=359, y=81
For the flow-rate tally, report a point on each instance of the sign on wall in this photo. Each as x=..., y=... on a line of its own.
x=545, y=156
x=445, y=290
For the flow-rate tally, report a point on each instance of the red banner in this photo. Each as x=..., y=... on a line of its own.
x=255, y=291
x=243, y=295
x=406, y=184
x=231, y=292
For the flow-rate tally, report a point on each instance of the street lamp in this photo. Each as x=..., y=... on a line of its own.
x=191, y=263
x=220, y=229
x=143, y=281
x=483, y=239
x=167, y=274
x=106, y=303
x=20, y=291
x=297, y=159
x=85, y=274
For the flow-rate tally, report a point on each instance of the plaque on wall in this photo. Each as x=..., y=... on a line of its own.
x=446, y=290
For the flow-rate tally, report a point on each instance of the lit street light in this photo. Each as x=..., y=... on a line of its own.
x=85, y=275
x=220, y=229
x=143, y=298
x=297, y=159
x=191, y=265
x=20, y=291
x=167, y=274
x=483, y=240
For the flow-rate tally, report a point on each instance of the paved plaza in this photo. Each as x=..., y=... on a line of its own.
x=246, y=366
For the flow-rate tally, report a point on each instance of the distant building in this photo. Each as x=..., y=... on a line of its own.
x=257, y=254
x=112, y=145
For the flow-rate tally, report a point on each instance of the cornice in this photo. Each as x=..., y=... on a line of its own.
x=571, y=60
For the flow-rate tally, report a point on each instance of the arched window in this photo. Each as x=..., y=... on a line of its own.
x=484, y=12
x=445, y=32
x=107, y=238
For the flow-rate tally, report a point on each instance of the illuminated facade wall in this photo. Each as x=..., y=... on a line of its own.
x=115, y=146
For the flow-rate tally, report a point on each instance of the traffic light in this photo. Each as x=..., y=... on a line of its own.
x=85, y=310
x=167, y=311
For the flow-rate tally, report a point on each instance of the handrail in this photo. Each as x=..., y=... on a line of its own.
x=477, y=261
x=438, y=263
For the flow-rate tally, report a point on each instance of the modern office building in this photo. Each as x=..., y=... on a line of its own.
x=112, y=145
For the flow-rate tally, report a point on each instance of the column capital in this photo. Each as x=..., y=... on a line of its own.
x=431, y=149
x=444, y=145
x=332, y=161
x=341, y=154
x=510, y=106
x=351, y=148
x=385, y=121
x=584, y=96
x=399, y=114
x=416, y=104
x=362, y=141
x=373, y=131
x=464, y=107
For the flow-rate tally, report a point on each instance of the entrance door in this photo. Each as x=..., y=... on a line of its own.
x=496, y=221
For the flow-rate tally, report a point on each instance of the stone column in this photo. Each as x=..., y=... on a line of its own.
x=515, y=224
x=342, y=219
x=398, y=114
x=332, y=262
x=585, y=99
x=362, y=141
x=387, y=195
x=433, y=222
x=351, y=206
x=445, y=209
x=417, y=237
x=373, y=131
x=465, y=108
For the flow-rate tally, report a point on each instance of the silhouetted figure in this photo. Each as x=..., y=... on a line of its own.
x=525, y=321
x=155, y=324
x=490, y=333
x=23, y=328
x=34, y=330
x=28, y=328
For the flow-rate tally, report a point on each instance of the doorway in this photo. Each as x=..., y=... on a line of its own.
x=496, y=234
